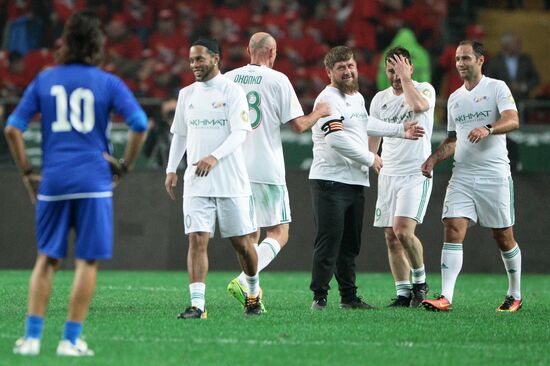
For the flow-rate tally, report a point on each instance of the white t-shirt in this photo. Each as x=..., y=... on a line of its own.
x=272, y=101
x=469, y=109
x=327, y=163
x=404, y=157
x=206, y=113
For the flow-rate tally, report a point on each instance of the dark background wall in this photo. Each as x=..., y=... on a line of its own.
x=149, y=228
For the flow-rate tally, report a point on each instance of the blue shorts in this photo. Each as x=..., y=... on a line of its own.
x=92, y=220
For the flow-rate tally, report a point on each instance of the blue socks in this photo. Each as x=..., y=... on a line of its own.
x=72, y=331
x=33, y=326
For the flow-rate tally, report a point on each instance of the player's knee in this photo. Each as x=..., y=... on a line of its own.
x=405, y=237
x=54, y=263
x=393, y=244
x=504, y=238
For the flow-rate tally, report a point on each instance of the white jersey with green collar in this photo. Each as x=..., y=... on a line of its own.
x=404, y=157
x=469, y=109
x=272, y=102
x=206, y=113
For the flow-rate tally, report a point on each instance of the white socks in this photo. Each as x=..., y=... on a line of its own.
x=419, y=275
x=451, y=264
x=253, y=283
x=197, y=290
x=403, y=288
x=267, y=251
x=512, y=263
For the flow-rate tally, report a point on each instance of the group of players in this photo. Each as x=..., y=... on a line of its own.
x=229, y=126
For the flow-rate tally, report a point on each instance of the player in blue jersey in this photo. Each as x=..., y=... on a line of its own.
x=75, y=190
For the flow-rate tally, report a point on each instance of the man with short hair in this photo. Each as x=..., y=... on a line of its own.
x=211, y=122
x=403, y=192
x=480, y=114
x=75, y=99
x=272, y=102
x=338, y=175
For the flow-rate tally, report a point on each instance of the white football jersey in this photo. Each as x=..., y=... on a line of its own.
x=272, y=101
x=404, y=157
x=206, y=113
x=469, y=109
x=327, y=163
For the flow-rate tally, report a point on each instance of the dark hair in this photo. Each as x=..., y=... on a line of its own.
x=338, y=54
x=398, y=51
x=211, y=44
x=83, y=39
x=479, y=49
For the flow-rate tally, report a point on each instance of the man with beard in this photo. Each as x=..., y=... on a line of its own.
x=211, y=123
x=403, y=193
x=338, y=174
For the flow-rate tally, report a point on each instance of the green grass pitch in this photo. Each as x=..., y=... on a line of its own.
x=132, y=321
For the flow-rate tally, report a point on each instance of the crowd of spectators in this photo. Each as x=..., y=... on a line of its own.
x=148, y=41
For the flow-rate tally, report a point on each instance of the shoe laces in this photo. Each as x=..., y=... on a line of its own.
x=438, y=296
x=508, y=302
x=253, y=301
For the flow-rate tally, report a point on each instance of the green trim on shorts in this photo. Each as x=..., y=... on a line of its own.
x=423, y=200
x=512, y=210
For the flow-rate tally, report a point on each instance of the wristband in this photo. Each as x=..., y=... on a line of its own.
x=123, y=166
x=27, y=172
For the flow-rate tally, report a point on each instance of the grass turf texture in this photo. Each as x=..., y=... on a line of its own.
x=132, y=321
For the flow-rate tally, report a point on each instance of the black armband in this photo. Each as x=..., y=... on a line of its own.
x=333, y=125
x=451, y=134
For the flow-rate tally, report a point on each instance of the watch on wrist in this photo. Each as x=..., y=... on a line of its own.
x=489, y=128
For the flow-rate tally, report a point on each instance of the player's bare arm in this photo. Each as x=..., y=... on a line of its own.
x=205, y=165
x=16, y=143
x=304, y=123
x=403, y=69
x=445, y=150
x=508, y=121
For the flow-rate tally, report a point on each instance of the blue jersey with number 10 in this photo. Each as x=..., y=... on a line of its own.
x=75, y=102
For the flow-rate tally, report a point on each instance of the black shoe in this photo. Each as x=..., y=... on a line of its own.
x=400, y=301
x=319, y=303
x=253, y=305
x=356, y=303
x=193, y=312
x=419, y=294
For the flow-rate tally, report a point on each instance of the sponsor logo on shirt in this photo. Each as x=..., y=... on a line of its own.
x=208, y=123
x=472, y=117
x=359, y=115
x=217, y=105
x=399, y=118
x=479, y=99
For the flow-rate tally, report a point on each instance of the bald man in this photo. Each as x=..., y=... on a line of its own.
x=272, y=102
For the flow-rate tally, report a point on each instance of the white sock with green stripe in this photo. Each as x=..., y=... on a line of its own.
x=253, y=283
x=512, y=263
x=267, y=251
x=451, y=264
x=197, y=290
x=403, y=288
x=419, y=275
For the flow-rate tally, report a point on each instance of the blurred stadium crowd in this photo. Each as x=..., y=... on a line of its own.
x=148, y=41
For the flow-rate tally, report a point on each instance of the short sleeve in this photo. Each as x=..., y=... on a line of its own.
x=125, y=104
x=289, y=104
x=26, y=109
x=503, y=96
x=451, y=126
x=428, y=92
x=375, y=106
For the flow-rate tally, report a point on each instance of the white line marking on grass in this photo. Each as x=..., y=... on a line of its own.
x=140, y=288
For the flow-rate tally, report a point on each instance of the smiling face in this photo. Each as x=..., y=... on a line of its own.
x=203, y=63
x=468, y=64
x=343, y=75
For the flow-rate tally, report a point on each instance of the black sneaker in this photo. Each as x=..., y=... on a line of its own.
x=400, y=302
x=419, y=293
x=193, y=312
x=253, y=305
x=356, y=303
x=319, y=303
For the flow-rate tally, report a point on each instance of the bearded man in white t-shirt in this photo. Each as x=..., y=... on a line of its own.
x=480, y=113
x=403, y=192
x=211, y=123
x=272, y=103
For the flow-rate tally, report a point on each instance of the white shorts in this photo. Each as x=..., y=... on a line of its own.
x=404, y=196
x=235, y=215
x=491, y=200
x=271, y=203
